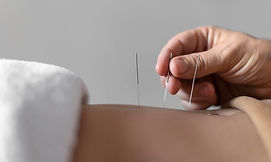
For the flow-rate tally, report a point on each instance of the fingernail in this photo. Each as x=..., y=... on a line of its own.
x=204, y=91
x=181, y=65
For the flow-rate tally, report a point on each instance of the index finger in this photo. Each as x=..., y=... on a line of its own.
x=183, y=43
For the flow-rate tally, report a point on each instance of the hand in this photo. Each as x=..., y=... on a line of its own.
x=231, y=64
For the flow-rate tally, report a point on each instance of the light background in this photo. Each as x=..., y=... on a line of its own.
x=97, y=39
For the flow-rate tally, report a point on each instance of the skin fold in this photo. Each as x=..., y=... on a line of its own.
x=127, y=133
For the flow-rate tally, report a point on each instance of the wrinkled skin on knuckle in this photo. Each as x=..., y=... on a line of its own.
x=201, y=67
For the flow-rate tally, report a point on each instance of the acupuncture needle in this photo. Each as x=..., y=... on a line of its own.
x=165, y=94
x=137, y=81
x=193, y=82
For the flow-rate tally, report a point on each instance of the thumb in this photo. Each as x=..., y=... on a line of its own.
x=184, y=66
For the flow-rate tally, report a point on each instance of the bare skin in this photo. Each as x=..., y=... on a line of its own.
x=232, y=64
x=121, y=133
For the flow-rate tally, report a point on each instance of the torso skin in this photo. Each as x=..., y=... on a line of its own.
x=126, y=133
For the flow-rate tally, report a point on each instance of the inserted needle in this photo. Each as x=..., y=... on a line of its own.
x=165, y=94
x=193, y=82
x=137, y=81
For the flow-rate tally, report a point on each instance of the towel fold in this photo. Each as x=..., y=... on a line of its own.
x=39, y=111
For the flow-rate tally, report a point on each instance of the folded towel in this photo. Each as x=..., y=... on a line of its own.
x=39, y=111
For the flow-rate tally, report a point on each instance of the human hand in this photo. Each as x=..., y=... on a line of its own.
x=231, y=64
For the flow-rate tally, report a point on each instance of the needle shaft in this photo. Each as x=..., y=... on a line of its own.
x=165, y=94
x=193, y=82
x=137, y=81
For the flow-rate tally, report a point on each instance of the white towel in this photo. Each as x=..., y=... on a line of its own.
x=39, y=111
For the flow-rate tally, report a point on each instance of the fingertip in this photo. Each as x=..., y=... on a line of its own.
x=206, y=89
x=163, y=79
x=163, y=62
x=211, y=88
x=199, y=101
x=174, y=85
x=157, y=69
x=179, y=67
x=173, y=67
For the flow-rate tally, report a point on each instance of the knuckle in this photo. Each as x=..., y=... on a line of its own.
x=208, y=27
x=201, y=66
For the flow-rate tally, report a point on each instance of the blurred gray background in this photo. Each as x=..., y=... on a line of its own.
x=98, y=39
